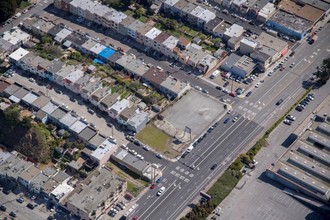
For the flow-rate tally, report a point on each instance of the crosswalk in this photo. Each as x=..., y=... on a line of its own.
x=182, y=173
x=250, y=109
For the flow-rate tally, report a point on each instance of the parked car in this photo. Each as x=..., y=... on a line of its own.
x=159, y=156
x=91, y=111
x=248, y=94
x=161, y=191
x=13, y=214
x=20, y=200
x=291, y=117
x=226, y=120
x=30, y=206
x=3, y=208
x=288, y=122
x=214, y=166
x=279, y=102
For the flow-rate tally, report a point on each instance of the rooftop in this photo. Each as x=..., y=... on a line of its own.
x=272, y=42
x=307, y=12
x=15, y=36
x=155, y=76
x=245, y=63
x=69, y=119
x=18, y=54
x=171, y=42
x=97, y=140
x=21, y=93
x=97, y=48
x=104, y=148
x=174, y=85
x=74, y=76
x=99, y=189
x=290, y=21
x=41, y=101
x=153, y=33
x=30, y=97
x=78, y=126
x=162, y=37
x=213, y=23
x=87, y=133
x=59, y=113
x=131, y=160
x=133, y=65
x=234, y=31
x=138, y=119
x=11, y=89
x=107, y=52
x=323, y=5
x=49, y=108
x=109, y=100
x=29, y=173
x=127, y=113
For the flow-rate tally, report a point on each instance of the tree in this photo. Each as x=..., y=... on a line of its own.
x=170, y=24
x=12, y=114
x=323, y=73
x=26, y=122
x=76, y=55
x=139, y=12
x=46, y=40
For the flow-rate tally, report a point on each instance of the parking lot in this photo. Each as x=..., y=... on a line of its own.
x=195, y=110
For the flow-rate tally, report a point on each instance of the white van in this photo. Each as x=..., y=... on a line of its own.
x=189, y=149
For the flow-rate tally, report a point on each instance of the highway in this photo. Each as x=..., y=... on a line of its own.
x=185, y=178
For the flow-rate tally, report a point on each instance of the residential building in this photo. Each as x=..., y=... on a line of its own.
x=17, y=55
x=123, y=25
x=52, y=183
x=96, y=194
x=150, y=36
x=113, y=19
x=56, y=115
x=265, y=56
x=16, y=37
x=27, y=175
x=108, y=101
x=247, y=46
x=40, y=102
x=12, y=167
x=87, y=133
x=19, y=94
x=182, y=9
x=266, y=12
x=168, y=46
x=60, y=76
x=132, y=66
x=126, y=114
x=220, y=30
x=80, y=83
x=90, y=87
x=174, y=88
x=49, y=108
x=102, y=153
x=118, y=107
x=37, y=182
x=234, y=31
x=193, y=16
x=96, y=141
x=29, y=98
x=234, y=43
x=138, y=122
x=99, y=94
x=60, y=193
x=141, y=31
x=68, y=120
x=212, y=24
x=229, y=62
x=78, y=127
x=154, y=77
x=158, y=42
x=205, y=17
x=61, y=35
x=74, y=76
x=168, y=4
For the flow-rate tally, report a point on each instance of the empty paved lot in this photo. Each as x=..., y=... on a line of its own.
x=195, y=110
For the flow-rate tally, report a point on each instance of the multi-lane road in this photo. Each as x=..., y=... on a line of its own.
x=185, y=178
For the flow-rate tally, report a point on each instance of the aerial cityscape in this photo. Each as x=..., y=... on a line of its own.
x=164, y=109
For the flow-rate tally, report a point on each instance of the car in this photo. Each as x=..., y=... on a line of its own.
x=13, y=214
x=229, y=111
x=90, y=111
x=20, y=200
x=135, y=217
x=33, y=197
x=288, y=122
x=3, y=208
x=32, y=80
x=279, y=102
x=299, y=108
x=140, y=157
x=30, y=206
x=232, y=94
x=226, y=84
x=124, y=147
x=58, y=91
x=198, y=88
x=161, y=191
x=270, y=73
x=218, y=88
x=248, y=94
x=292, y=53
x=291, y=117
x=159, y=156
x=109, y=125
x=132, y=152
x=146, y=148
x=73, y=99
x=282, y=67
x=292, y=65
x=226, y=121
x=152, y=186
x=137, y=143
x=214, y=166
x=159, y=180
x=235, y=118
x=257, y=85
x=205, y=91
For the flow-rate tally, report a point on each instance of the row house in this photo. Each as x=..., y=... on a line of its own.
x=132, y=66
x=97, y=96
x=159, y=40
x=168, y=4
x=123, y=25
x=126, y=114
x=108, y=101
x=87, y=46
x=27, y=175
x=99, y=11
x=76, y=40
x=168, y=46
x=205, y=17
x=112, y=19
x=62, y=4
x=90, y=88
x=118, y=107
x=16, y=37
x=138, y=121
x=62, y=74
x=55, y=66
x=74, y=76
x=173, y=87
x=141, y=32
x=133, y=27
x=183, y=9
x=150, y=36
x=52, y=183
x=80, y=83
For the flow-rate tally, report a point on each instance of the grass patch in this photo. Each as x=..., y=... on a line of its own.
x=125, y=94
x=154, y=137
x=144, y=19
x=23, y=5
x=129, y=12
x=133, y=189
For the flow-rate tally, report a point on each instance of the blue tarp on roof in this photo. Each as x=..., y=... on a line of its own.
x=106, y=53
x=97, y=61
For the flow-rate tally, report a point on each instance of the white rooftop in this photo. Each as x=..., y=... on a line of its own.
x=234, y=31
x=171, y=42
x=15, y=36
x=49, y=108
x=18, y=54
x=103, y=149
x=154, y=32
x=78, y=126
x=97, y=48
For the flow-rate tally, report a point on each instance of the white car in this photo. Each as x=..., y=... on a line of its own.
x=32, y=80
x=161, y=191
x=146, y=148
x=291, y=117
x=257, y=85
x=140, y=157
x=124, y=146
x=198, y=88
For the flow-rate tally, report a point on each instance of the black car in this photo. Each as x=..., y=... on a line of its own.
x=12, y=214
x=214, y=166
x=58, y=91
x=136, y=142
x=30, y=206
x=6, y=191
x=248, y=94
x=3, y=208
x=226, y=84
x=279, y=102
x=218, y=87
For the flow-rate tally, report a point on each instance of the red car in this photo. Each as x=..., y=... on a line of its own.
x=152, y=186
x=135, y=218
x=232, y=94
